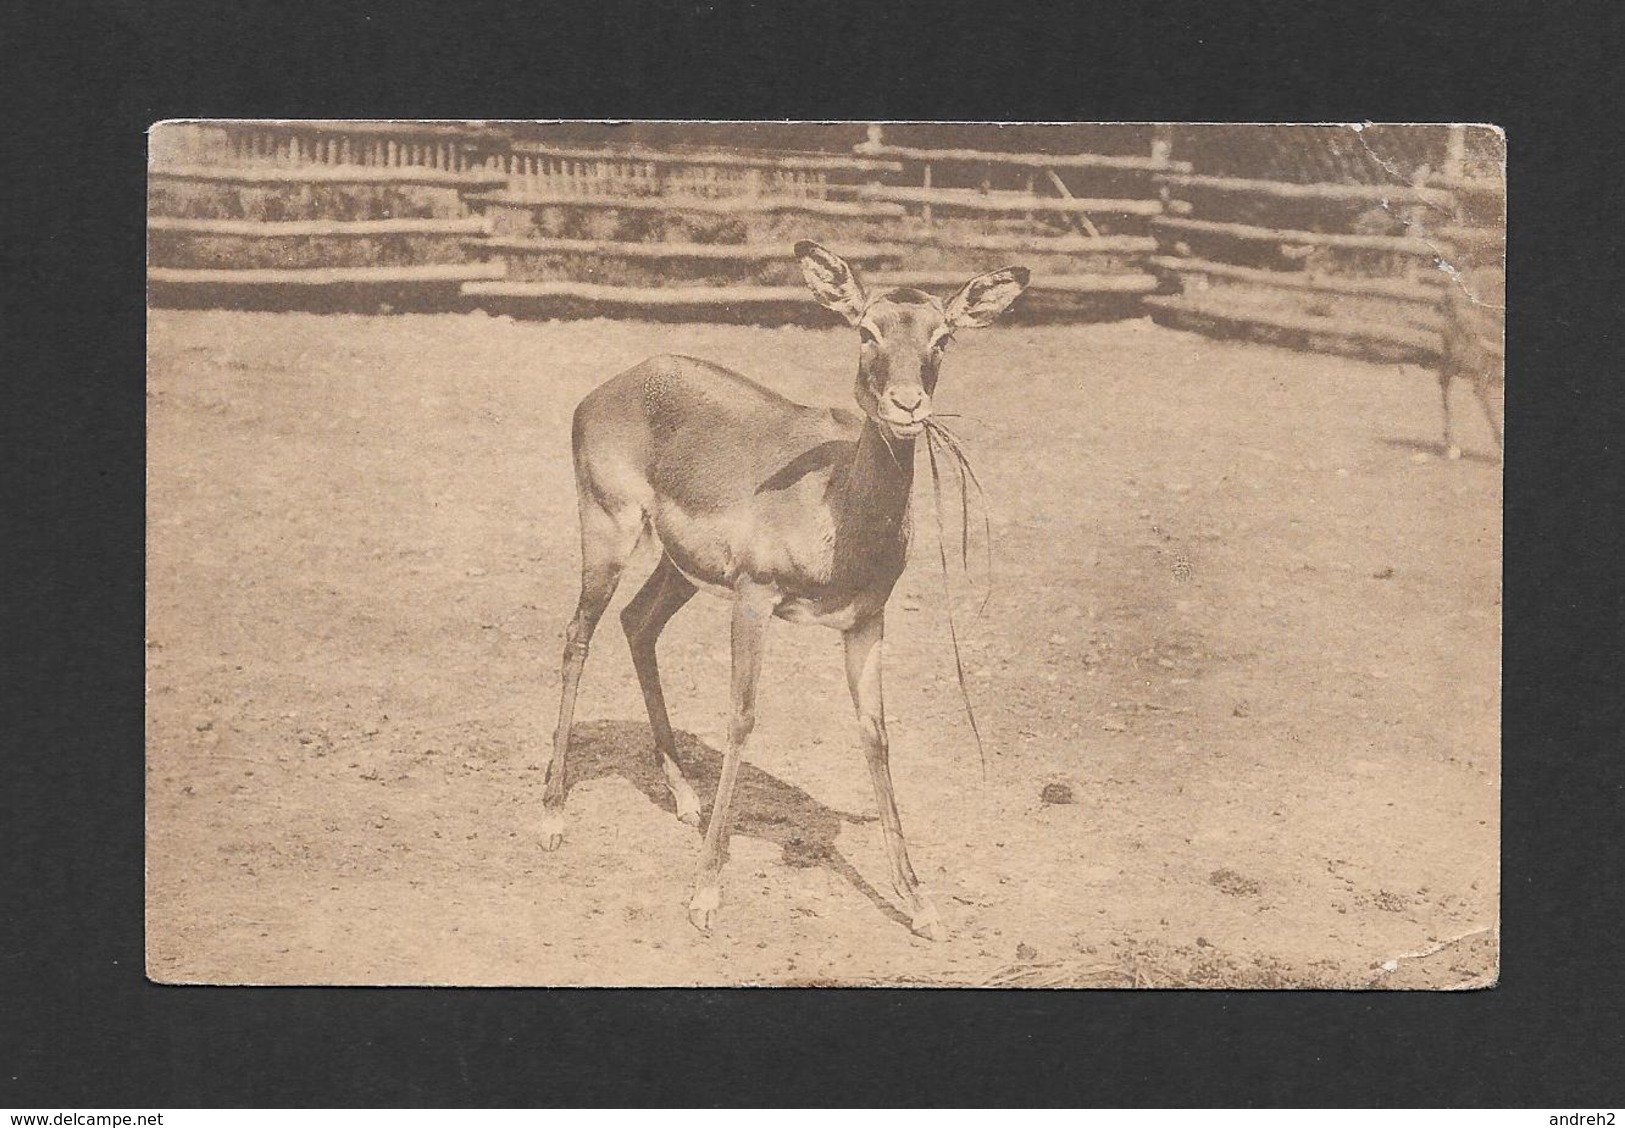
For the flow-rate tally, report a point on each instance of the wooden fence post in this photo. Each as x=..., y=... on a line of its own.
x=1455, y=152
x=1162, y=142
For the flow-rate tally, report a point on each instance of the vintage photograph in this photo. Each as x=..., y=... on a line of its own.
x=824, y=554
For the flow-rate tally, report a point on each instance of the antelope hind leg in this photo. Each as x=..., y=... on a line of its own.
x=665, y=593
x=752, y=611
x=606, y=542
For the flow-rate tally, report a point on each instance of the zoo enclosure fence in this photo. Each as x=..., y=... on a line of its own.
x=1258, y=242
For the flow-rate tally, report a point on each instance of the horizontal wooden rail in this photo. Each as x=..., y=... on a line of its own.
x=332, y=275
x=1210, y=309
x=906, y=243
x=1469, y=185
x=1029, y=244
x=1024, y=160
x=1393, y=244
x=442, y=132
x=747, y=295
x=1477, y=238
x=327, y=174
x=968, y=199
x=1421, y=293
x=1283, y=190
x=640, y=295
x=639, y=155
x=318, y=228
x=727, y=205
x=1045, y=283
x=711, y=252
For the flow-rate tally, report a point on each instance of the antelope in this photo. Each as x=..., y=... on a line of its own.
x=1474, y=325
x=786, y=511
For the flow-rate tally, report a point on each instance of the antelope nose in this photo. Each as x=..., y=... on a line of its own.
x=908, y=402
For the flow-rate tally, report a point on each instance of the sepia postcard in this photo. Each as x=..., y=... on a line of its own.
x=834, y=554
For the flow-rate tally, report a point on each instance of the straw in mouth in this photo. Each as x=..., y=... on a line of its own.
x=937, y=434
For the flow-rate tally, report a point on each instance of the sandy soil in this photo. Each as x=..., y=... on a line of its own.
x=1242, y=615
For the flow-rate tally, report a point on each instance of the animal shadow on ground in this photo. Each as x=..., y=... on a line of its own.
x=764, y=806
x=1437, y=449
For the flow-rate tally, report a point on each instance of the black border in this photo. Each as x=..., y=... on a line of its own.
x=83, y=1028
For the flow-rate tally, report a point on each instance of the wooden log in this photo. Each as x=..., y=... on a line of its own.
x=734, y=205
x=1030, y=244
x=1469, y=185
x=331, y=275
x=1210, y=309
x=455, y=131
x=1162, y=142
x=1046, y=283
x=1284, y=190
x=640, y=295
x=1024, y=160
x=1079, y=221
x=712, y=252
x=1398, y=289
x=701, y=158
x=1393, y=244
x=1012, y=203
x=744, y=295
x=904, y=244
x=1455, y=150
x=1478, y=238
x=319, y=228
x=326, y=174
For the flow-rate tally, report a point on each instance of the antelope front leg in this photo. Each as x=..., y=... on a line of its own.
x=753, y=610
x=863, y=679
x=1482, y=391
x=1451, y=450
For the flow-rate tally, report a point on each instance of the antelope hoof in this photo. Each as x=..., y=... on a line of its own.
x=927, y=923
x=688, y=804
x=552, y=830
x=702, y=909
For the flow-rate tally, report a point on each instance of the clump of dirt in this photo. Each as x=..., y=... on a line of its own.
x=1384, y=900
x=1232, y=884
x=1058, y=794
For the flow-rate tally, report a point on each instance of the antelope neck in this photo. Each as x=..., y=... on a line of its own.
x=877, y=488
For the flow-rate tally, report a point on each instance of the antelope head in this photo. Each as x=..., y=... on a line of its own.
x=903, y=332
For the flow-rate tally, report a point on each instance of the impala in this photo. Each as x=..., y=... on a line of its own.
x=786, y=511
x=1474, y=328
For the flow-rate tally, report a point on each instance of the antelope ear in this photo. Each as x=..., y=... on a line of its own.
x=831, y=281
x=981, y=300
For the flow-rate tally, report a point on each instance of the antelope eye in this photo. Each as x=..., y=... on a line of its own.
x=866, y=337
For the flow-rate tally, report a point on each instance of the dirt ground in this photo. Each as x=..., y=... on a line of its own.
x=1243, y=617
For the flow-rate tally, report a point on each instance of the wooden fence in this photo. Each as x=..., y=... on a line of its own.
x=473, y=214
x=450, y=147
x=1339, y=266
x=310, y=206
